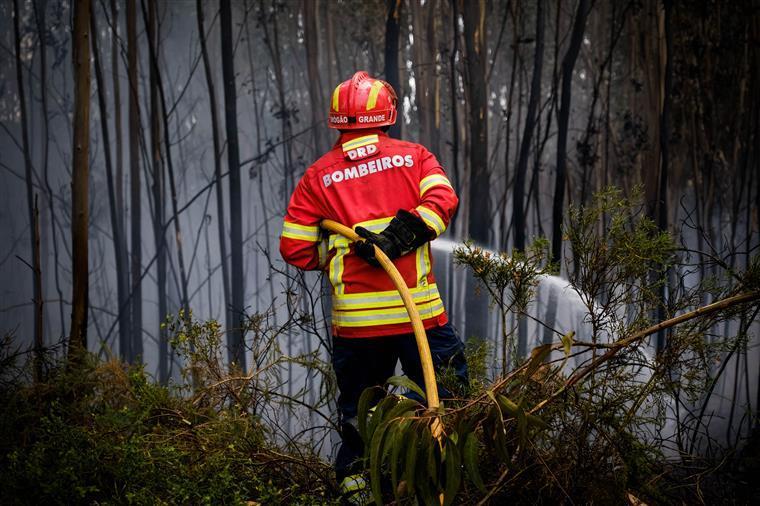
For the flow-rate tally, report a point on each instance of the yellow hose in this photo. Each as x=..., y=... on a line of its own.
x=428, y=372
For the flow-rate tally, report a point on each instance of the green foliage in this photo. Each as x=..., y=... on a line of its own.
x=105, y=433
x=550, y=430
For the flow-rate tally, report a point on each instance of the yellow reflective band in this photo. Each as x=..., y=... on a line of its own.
x=373, y=93
x=300, y=232
x=434, y=180
x=322, y=250
x=431, y=219
x=341, y=245
x=336, y=98
x=360, y=142
x=353, y=483
x=372, y=317
x=387, y=299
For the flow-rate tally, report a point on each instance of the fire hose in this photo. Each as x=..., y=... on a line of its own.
x=428, y=372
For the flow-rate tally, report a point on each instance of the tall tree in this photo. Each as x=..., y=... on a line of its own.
x=117, y=233
x=28, y=171
x=518, y=209
x=158, y=188
x=229, y=319
x=135, y=350
x=311, y=43
x=392, y=32
x=563, y=121
x=479, y=218
x=236, y=348
x=80, y=175
x=125, y=332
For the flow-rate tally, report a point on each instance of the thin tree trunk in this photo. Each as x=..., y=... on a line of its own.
x=568, y=64
x=479, y=217
x=530, y=122
x=229, y=319
x=40, y=12
x=235, y=340
x=311, y=42
x=136, y=347
x=392, y=32
x=662, y=200
x=158, y=188
x=28, y=170
x=421, y=74
x=117, y=233
x=80, y=175
x=125, y=324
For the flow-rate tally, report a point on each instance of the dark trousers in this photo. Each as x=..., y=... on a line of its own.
x=363, y=363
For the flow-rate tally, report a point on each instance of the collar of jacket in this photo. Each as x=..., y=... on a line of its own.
x=354, y=134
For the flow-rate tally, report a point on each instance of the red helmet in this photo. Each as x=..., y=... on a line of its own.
x=362, y=102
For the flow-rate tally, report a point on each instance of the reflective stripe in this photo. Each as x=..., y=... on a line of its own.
x=322, y=250
x=300, y=232
x=376, y=226
x=373, y=92
x=372, y=317
x=360, y=141
x=353, y=483
x=384, y=299
x=431, y=219
x=336, y=267
x=336, y=98
x=434, y=180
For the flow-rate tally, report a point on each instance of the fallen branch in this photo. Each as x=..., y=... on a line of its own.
x=715, y=307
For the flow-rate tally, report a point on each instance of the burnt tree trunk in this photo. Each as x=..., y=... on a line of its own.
x=229, y=319
x=235, y=340
x=563, y=121
x=392, y=32
x=479, y=203
x=116, y=231
x=135, y=349
x=311, y=42
x=158, y=188
x=518, y=209
x=28, y=170
x=80, y=174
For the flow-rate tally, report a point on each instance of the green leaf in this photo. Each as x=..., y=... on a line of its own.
x=403, y=406
x=410, y=462
x=515, y=411
x=499, y=435
x=376, y=419
x=567, y=342
x=453, y=465
x=537, y=357
x=471, y=461
x=403, y=434
x=363, y=412
x=404, y=382
x=375, y=462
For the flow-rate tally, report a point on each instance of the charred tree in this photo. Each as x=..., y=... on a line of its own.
x=158, y=189
x=135, y=349
x=80, y=174
x=117, y=232
x=28, y=171
x=311, y=43
x=479, y=218
x=236, y=348
x=563, y=122
x=229, y=319
x=531, y=118
x=392, y=32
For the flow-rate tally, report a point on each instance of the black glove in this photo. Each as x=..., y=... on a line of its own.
x=406, y=232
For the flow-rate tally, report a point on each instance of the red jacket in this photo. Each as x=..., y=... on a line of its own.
x=364, y=180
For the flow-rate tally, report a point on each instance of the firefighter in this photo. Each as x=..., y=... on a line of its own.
x=396, y=196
